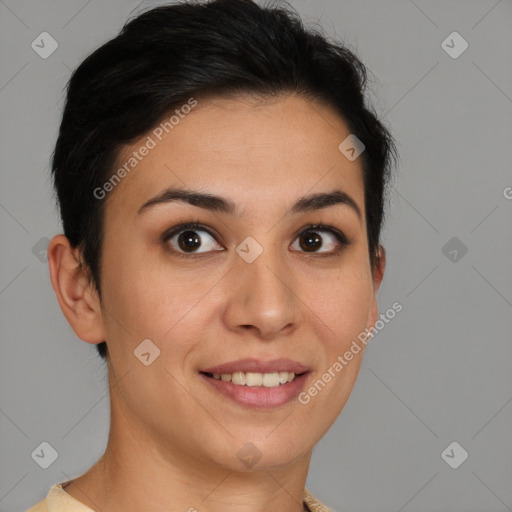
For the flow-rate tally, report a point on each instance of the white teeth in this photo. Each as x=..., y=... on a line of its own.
x=238, y=378
x=271, y=380
x=254, y=379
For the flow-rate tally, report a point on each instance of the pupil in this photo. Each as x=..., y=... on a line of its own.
x=189, y=240
x=311, y=240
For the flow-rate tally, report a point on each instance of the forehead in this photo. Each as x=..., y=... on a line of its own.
x=260, y=153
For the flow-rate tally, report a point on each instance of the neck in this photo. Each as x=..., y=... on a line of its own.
x=140, y=472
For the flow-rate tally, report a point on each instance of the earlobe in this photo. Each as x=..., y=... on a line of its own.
x=77, y=298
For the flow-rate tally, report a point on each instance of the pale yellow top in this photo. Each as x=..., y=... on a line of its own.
x=58, y=500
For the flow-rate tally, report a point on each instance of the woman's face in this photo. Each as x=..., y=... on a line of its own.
x=251, y=283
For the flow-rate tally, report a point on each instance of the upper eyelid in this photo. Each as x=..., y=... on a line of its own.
x=184, y=226
x=323, y=227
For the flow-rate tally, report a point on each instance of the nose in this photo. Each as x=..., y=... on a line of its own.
x=263, y=297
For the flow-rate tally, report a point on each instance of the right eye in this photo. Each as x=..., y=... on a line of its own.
x=186, y=239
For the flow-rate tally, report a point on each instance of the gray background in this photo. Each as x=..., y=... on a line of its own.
x=437, y=373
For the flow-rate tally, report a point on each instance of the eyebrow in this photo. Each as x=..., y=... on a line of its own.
x=220, y=204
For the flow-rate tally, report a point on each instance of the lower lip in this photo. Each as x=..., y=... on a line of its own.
x=259, y=397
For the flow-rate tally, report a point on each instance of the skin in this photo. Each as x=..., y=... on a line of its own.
x=173, y=441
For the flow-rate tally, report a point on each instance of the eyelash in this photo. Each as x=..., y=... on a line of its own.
x=339, y=235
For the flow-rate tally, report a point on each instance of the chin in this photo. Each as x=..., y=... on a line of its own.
x=264, y=453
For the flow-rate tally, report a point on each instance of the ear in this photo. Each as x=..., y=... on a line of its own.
x=78, y=300
x=378, y=274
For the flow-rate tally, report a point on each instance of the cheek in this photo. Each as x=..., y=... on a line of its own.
x=342, y=307
x=156, y=302
x=342, y=302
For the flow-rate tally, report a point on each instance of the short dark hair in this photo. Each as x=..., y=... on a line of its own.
x=171, y=53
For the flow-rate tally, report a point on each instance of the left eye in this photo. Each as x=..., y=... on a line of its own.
x=310, y=240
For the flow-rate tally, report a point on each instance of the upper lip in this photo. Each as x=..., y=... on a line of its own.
x=258, y=366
